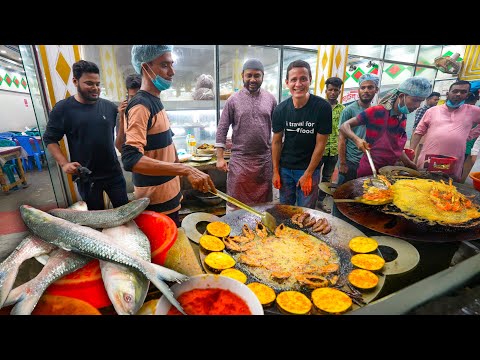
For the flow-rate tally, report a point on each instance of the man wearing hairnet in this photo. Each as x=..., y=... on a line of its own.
x=348, y=154
x=149, y=151
x=249, y=112
x=385, y=125
x=448, y=127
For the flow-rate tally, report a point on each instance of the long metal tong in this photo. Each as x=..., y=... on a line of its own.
x=267, y=219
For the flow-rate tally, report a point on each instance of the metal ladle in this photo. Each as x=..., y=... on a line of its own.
x=267, y=219
x=375, y=181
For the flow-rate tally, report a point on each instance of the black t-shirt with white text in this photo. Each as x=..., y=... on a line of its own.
x=89, y=129
x=300, y=127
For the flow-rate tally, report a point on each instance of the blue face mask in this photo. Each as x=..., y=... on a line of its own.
x=454, y=106
x=159, y=82
x=403, y=109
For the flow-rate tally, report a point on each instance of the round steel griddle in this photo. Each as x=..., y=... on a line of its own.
x=395, y=225
x=342, y=232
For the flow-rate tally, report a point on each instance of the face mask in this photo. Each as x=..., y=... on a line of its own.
x=403, y=109
x=454, y=106
x=159, y=82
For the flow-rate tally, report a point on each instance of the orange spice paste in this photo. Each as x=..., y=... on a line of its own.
x=211, y=302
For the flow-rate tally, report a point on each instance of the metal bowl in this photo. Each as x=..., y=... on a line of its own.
x=207, y=198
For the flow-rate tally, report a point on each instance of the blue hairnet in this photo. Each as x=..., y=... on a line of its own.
x=474, y=85
x=369, y=77
x=146, y=53
x=416, y=86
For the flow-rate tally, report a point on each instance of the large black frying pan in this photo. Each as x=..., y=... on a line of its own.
x=342, y=232
x=375, y=219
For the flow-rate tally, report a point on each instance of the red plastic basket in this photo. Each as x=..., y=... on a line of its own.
x=441, y=163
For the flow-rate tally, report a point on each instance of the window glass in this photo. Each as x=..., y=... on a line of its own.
x=292, y=55
x=428, y=53
x=402, y=53
x=428, y=73
x=311, y=47
x=374, y=51
x=232, y=58
x=392, y=75
x=356, y=67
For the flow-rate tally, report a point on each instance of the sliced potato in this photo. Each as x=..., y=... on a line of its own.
x=363, y=244
x=148, y=308
x=209, y=243
x=294, y=302
x=331, y=301
x=264, y=293
x=218, y=229
x=370, y=262
x=363, y=279
x=218, y=261
x=235, y=274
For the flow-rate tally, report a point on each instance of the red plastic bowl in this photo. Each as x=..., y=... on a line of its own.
x=160, y=230
x=475, y=176
x=85, y=284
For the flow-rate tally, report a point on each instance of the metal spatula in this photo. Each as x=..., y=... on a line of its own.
x=375, y=181
x=267, y=219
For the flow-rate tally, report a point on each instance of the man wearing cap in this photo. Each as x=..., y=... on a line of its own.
x=348, y=153
x=448, y=127
x=149, y=151
x=249, y=112
x=385, y=125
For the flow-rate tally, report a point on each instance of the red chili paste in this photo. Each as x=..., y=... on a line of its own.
x=211, y=302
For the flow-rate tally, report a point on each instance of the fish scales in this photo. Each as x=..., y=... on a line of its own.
x=88, y=241
x=102, y=219
x=59, y=264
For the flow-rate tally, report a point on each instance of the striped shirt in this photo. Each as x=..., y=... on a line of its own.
x=331, y=149
x=374, y=119
x=419, y=115
x=148, y=133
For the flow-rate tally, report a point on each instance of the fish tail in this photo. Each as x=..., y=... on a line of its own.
x=165, y=290
x=25, y=303
x=167, y=274
x=157, y=274
x=7, y=278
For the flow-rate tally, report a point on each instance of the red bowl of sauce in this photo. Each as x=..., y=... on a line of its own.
x=210, y=294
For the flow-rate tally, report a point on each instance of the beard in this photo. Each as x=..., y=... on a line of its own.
x=366, y=100
x=86, y=95
x=257, y=85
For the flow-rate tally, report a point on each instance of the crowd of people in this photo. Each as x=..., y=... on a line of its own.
x=292, y=146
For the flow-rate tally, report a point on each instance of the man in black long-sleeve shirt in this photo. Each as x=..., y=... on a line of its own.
x=88, y=123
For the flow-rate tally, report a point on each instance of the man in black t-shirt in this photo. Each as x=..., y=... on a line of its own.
x=306, y=122
x=88, y=123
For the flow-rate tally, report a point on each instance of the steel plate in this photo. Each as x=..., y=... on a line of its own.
x=342, y=232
